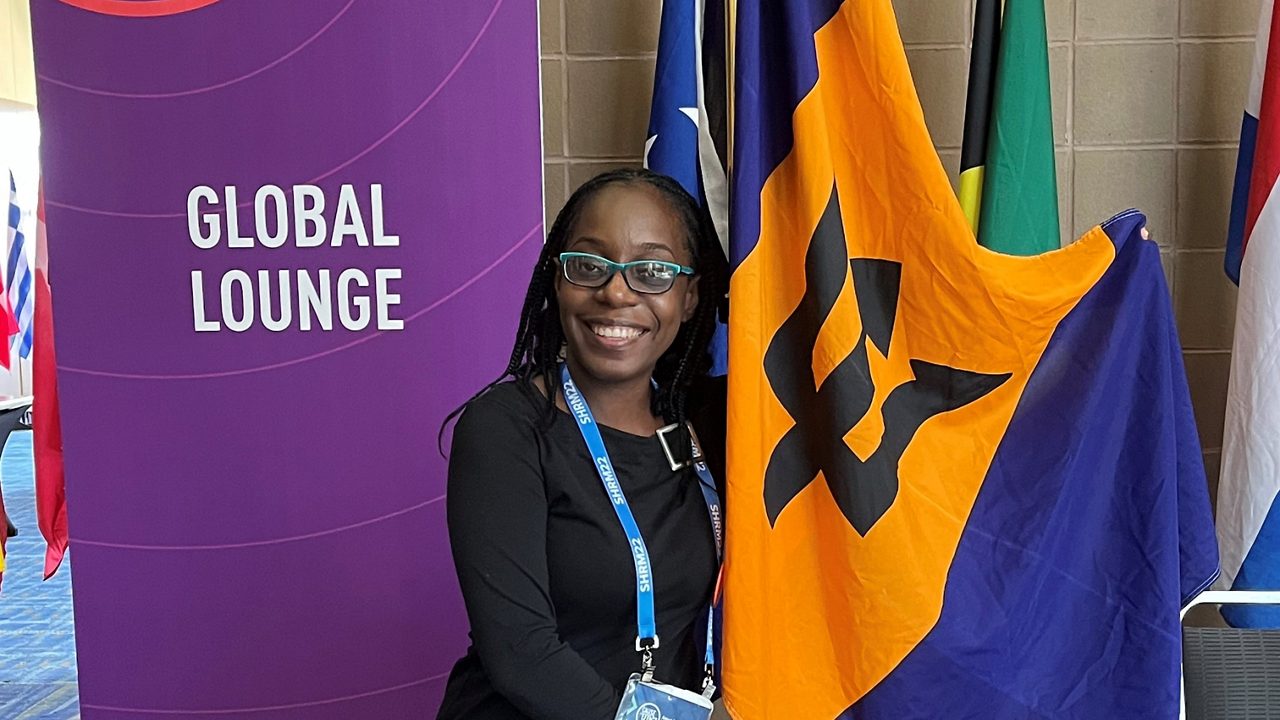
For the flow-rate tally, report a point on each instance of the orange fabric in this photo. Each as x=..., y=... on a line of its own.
x=815, y=613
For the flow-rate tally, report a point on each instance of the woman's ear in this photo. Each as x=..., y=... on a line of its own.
x=690, y=299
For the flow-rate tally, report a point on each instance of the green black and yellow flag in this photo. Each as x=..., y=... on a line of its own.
x=1008, y=186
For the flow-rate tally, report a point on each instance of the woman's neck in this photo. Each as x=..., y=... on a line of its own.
x=621, y=406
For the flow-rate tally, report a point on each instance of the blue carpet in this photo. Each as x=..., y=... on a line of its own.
x=37, y=644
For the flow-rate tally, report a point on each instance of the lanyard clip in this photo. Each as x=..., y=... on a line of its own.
x=709, y=683
x=646, y=646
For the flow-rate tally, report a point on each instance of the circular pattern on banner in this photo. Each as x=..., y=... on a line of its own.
x=268, y=708
x=206, y=88
x=262, y=543
x=387, y=135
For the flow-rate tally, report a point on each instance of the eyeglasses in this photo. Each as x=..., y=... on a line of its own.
x=650, y=277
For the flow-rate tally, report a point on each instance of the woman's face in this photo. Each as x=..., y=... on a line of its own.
x=615, y=334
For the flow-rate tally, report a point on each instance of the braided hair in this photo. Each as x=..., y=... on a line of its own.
x=539, y=345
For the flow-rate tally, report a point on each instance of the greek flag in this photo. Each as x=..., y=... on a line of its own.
x=19, y=276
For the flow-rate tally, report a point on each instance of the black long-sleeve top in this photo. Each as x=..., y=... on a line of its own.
x=545, y=568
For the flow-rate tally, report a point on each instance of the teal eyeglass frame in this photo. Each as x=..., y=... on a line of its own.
x=617, y=267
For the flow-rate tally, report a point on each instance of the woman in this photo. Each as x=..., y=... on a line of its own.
x=618, y=316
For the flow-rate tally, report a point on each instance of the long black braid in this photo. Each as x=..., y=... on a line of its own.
x=539, y=344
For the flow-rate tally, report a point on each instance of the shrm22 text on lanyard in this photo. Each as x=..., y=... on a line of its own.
x=301, y=298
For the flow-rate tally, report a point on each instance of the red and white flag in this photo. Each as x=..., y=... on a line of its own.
x=51, y=496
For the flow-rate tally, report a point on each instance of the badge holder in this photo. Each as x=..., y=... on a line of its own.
x=647, y=699
x=652, y=700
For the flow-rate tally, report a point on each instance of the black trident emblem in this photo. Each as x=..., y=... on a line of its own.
x=863, y=489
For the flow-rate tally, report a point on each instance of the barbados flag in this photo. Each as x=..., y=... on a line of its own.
x=905, y=538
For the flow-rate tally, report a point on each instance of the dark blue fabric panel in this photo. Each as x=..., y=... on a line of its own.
x=1091, y=530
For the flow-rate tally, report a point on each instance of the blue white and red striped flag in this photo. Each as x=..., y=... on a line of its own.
x=1248, y=516
x=18, y=277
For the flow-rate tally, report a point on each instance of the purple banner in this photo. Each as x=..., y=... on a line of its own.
x=286, y=239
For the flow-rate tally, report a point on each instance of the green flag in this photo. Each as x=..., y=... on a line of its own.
x=1019, y=213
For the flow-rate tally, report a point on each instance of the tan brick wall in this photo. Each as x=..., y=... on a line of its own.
x=597, y=80
x=1147, y=99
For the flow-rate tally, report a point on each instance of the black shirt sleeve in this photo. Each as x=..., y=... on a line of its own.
x=497, y=516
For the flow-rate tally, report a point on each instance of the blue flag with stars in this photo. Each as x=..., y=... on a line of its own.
x=672, y=145
x=687, y=124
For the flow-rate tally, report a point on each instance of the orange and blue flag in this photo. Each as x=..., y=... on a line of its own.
x=905, y=538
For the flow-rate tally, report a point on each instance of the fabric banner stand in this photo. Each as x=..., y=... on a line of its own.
x=286, y=240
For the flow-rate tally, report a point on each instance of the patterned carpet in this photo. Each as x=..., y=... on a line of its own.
x=37, y=647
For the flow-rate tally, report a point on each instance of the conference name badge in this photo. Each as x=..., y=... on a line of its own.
x=650, y=700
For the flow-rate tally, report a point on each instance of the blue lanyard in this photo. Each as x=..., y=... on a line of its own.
x=646, y=617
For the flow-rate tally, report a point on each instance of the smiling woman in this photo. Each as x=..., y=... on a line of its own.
x=585, y=535
x=616, y=327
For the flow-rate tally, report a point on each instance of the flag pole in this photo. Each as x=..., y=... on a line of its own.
x=977, y=109
x=730, y=44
